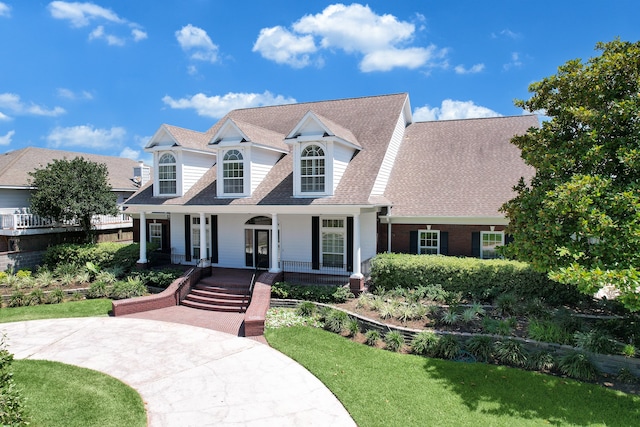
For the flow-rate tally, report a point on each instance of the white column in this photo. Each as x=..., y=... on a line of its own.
x=143, y=238
x=357, y=273
x=275, y=268
x=203, y=240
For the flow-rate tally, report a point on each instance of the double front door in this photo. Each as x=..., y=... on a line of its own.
x=257, y=248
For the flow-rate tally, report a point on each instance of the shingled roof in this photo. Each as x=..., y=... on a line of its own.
x=16, y=165
x=458, y=168
x=370, y=120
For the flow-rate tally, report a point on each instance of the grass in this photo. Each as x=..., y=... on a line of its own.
x=381, y=388
x=83, y=308
x=62, y=395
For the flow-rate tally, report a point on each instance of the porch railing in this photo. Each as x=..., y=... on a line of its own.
x=26, y=220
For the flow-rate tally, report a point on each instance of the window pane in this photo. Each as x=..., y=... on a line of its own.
x=490, y=242
x=428, y=242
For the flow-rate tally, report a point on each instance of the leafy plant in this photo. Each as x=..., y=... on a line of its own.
x=469, y=315
x=371, y=337
x=18, y=299
x=511, y=352
x=98, y=289
x=629, y=350
x=425, y=343
x=394, y=341
x=577, y=365
x=36, y=297
x=548, y=331
x=481, y=347
x=336, y=321
x=387, y=311
x=506, y=304
x=448, y=347
x=596, y=341
x=132, y=287
x=12, y=410
x=55, y=297
x=352, y=327
x=306, y=309
x=541, y=361
x=450, y=316
x=364, y=300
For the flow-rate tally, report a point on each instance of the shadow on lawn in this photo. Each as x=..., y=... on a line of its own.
x=503, y=391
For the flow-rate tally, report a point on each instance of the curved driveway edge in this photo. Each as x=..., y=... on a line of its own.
x=187, y=376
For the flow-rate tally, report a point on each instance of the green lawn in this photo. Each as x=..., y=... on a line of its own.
x=83, y=308
x=67, y=396
x=381, y=388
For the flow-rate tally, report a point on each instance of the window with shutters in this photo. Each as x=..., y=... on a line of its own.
x=489, y=241
x=333, y=242
x=429, y=242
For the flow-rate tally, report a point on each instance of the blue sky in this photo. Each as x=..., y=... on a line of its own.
x=102, y=76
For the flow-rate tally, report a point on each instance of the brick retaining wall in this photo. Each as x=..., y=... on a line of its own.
x=256, y=313
x=20, y=260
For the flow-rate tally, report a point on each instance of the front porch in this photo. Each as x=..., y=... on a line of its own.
x=22, y=221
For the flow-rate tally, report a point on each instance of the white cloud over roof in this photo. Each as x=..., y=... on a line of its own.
x=383, y=41
x=197, y=42
x=452, y=110
x=86, y=136
x=217, y=106
x=6, y=139
x=11, y=102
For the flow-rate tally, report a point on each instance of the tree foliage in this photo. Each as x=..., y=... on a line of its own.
x=579, y=217
x=73, y=190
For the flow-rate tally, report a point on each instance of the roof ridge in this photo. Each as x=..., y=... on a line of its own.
x=512, y=116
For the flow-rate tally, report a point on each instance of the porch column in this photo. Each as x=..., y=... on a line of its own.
x=143, y=238
x=356, y=281
x=203, y=240
x=275, y=267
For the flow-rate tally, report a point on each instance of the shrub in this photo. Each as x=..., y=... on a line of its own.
x=55, y=297
x=12, y=411
x=577, y=365
x=352, y=327
x=548, y=331
x=132, y=287
x=480, y=280
x=425, y=343
x=469, y=315
x=629, y=350
x=449, y=317
x=18, y=299
x=336, y=321
x=36, y=297
x=448, y=347
x=3, y=277
x=541, y=361
x=341, y=294
x=394, y=341
x=371, y=337
x=306, y=309
x=156, y=278
x=481, y=347
x=102, y=255
x=511, y=352
x=98, y=289
x=506, y=304
x=317, y=293
x=596, y=341
x=364, y=300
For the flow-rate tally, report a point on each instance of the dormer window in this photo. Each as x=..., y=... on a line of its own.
x=233, y=172
x=312, y=169
x=167, y=177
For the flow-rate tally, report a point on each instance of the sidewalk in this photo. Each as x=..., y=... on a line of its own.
x=187, y=376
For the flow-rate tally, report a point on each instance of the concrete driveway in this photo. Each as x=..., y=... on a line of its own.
x=187, y=376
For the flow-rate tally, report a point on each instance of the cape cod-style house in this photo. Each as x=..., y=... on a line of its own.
x=321, y=187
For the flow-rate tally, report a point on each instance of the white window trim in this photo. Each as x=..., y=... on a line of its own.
x=246, y=172
x=155, y=230
x=482, y=234
x=437, y=232
x=327, y=148
x=334, y=230
x=195, y=242
x=156, y=173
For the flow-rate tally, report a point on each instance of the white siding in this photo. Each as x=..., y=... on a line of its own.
x=295, y=237
x=341, y=157
x=390, y=157
x=261, y=163
x=177, y=234
x=193, y=167
x=368, y=235
x=12, y=199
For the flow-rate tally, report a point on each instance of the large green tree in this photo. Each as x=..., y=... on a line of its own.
x=579, y=217
x=73, y=190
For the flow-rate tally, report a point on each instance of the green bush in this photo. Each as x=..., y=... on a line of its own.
x=158, y=278
x=317, y=293
x=12, y=411
x=371, y=337
x=577, y=365
x=481, y=347
x=549, y=331
x=424, y=343
x=129, y=288
x=394, y=341
x=55, y=297
x=336, y=321
x=448, y=347
x=475, y=279
x=99, y=289
x=306, y=309
x=511, y=352
x=101, y=255
x=541, y=361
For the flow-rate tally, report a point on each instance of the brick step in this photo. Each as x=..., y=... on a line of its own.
x=222, y=289
x=213, y=293
x=211, y=307
x=225, y=282
x=217, y=301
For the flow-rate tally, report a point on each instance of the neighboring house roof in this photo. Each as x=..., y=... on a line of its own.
x=16, y=165
x=458, y=168
x=369, y=122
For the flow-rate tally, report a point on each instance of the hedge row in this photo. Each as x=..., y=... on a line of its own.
x=475, y=279
x=103, y=255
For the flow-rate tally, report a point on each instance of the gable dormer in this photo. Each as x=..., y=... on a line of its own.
x=180, y=158
x=246, y=154
x=322, y=150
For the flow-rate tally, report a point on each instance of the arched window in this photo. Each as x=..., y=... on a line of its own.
x=312, y=170
x=167, y=174
x=233, y=172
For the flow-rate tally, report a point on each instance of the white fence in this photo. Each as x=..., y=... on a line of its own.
x=27, y=220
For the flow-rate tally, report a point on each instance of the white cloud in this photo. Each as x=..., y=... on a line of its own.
x=506, y=33
x=81, y=14
x=130, y=153
x=284, y=47
x=12, y=102
x=86, y=136
x=6, y=139
x=197, y=41
x=69, y=94
x=382, y=40
x=217, y=106
x=515, y=62
x=4, y=117
x=477, y=68
x=452, y=110
x=84, y=14
x=5, y=10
